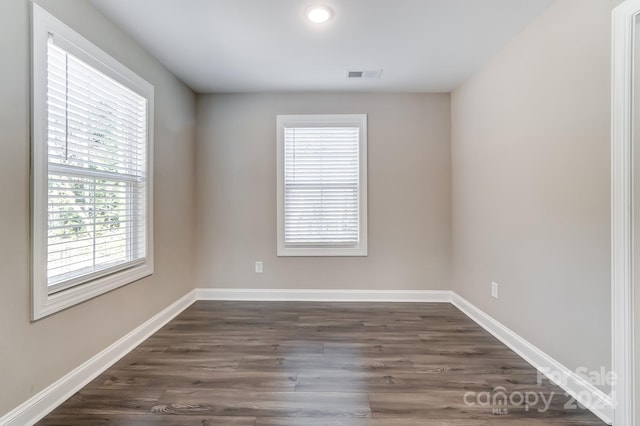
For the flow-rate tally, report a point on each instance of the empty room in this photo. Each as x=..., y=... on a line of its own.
x=318, y=213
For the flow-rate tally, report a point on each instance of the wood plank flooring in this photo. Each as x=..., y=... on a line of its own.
x=320, y=364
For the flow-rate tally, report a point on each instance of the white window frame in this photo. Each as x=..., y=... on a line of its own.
x=323, y=120
x=44, y=302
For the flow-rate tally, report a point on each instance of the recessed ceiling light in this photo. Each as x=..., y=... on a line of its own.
x=319, y=14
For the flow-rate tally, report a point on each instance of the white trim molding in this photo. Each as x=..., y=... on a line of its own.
x=598, y=402
x=38, y=406
x=300, y=295
x=622, y=207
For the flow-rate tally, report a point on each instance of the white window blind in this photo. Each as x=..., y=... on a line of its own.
x=97, y=153
x=321, y=181
x=322, y=185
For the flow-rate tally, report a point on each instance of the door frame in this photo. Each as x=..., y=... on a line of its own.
x=622, y=208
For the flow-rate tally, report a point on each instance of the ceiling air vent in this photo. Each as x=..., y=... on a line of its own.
x=368, y=74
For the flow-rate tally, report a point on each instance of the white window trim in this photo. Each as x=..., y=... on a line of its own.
x=43, y=303
x=352, y=120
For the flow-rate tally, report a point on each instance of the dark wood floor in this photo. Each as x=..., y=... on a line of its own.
x=318, y=364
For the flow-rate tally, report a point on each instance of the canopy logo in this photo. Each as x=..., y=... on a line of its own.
x=500, y=399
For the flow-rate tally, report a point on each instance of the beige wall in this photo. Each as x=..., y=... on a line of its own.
x=531, y=177
x=33, y=355
x=408, y=189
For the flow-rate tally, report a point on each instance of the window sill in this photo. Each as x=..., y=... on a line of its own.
x=322, y=252
x=45, y=304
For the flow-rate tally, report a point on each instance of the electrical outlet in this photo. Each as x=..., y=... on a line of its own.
x=259, y=267
x=494, y=289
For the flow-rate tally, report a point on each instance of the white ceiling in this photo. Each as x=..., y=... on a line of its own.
x=267, y=45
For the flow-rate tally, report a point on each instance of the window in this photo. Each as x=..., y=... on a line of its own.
x=91, y=169
x=322, y=185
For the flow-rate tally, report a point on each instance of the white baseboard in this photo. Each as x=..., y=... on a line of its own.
x=300, y=295
x=38, y=406
x=45, y=401
x=584, y=392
